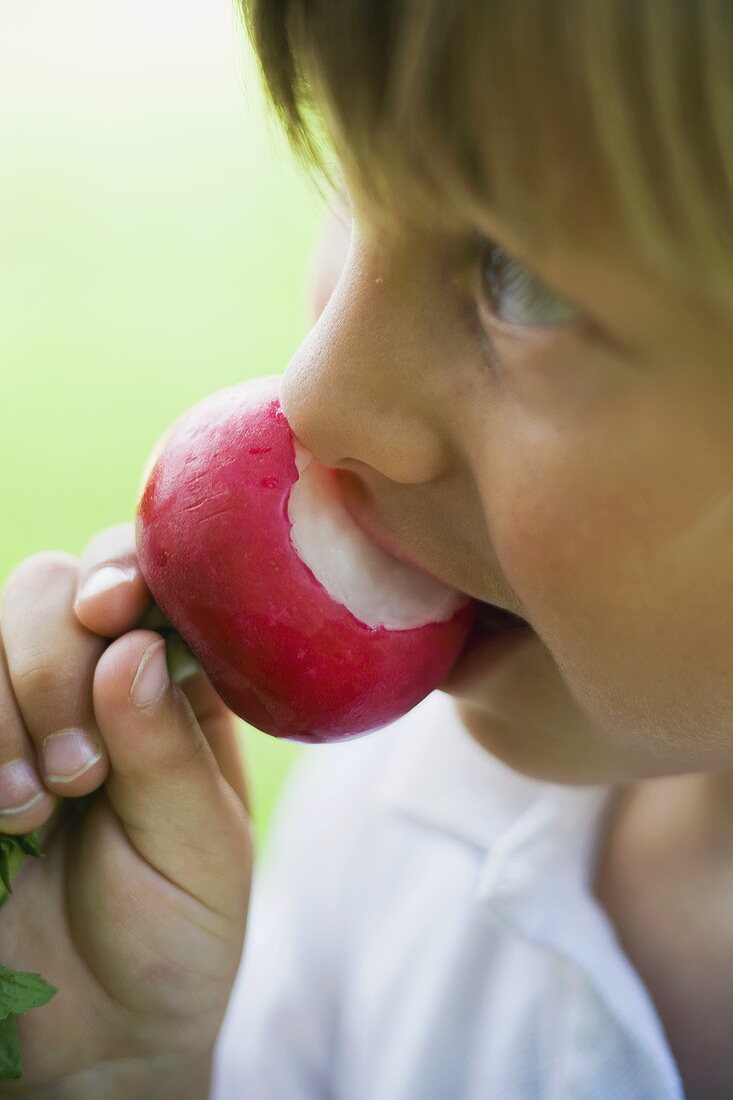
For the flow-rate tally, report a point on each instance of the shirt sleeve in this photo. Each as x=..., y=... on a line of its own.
x=277, y=1040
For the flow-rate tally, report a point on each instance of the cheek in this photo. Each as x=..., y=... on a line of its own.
x=621, y=563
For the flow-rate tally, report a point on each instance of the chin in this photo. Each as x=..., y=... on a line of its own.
x=514, y=702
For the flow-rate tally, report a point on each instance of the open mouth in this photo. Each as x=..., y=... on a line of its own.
x=378, y=588
x=495, y=634
x=490, y=618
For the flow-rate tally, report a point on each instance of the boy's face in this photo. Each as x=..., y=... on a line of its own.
x=579, y=476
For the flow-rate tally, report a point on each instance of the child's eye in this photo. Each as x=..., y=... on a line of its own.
x=516, y=296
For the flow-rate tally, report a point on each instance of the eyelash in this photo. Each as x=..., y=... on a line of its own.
x=521, y=278
x=525, y=285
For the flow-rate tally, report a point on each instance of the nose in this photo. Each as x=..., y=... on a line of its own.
x=352, y=392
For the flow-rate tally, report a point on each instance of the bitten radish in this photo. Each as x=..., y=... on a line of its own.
x=307, y=629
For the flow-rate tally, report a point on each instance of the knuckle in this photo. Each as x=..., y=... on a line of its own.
x=46, y=566
x=36, y=678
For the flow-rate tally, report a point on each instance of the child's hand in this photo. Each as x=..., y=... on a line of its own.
x=138, y=911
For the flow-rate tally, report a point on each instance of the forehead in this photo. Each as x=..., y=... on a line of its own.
x=563, y=116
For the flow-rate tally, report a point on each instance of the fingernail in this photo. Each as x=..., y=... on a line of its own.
x=67, y=755
x=20, y=787
x=151, y=678
x=102, y=580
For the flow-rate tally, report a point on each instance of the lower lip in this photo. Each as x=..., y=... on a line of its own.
x=486, y=647
x=494, y=634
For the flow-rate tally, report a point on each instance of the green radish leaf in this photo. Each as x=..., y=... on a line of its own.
x=12, y=851
x=11, y=1056
x=20, y=990
x=28, y=843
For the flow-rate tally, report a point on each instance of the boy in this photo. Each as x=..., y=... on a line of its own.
x=521, y=889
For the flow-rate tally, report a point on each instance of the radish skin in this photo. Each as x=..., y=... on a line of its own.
x=307, y=629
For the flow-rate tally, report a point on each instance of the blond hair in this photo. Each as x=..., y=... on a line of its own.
x=574, y=120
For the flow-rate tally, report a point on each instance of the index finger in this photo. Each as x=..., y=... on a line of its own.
x=112, y=596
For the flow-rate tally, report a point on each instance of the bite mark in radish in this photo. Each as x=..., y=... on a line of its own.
x=306, y=628
x=377, y=588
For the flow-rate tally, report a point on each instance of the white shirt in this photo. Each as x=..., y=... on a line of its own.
x=423, y=928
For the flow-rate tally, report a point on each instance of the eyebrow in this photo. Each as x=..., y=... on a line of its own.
x=519, y=237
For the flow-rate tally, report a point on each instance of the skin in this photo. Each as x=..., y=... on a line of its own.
x=583, y=483
x=137, y=913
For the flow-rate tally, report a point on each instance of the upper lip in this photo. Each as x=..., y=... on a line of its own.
x=363, y=520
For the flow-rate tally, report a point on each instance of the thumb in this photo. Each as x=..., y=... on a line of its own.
x=165, y=783
x=218, y=724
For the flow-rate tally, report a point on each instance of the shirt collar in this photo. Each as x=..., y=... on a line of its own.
x=438, y=774
x=540, y=842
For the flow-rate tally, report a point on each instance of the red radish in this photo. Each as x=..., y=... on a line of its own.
x=306, y=628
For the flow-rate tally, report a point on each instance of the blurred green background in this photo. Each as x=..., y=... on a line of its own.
x=156, y=236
